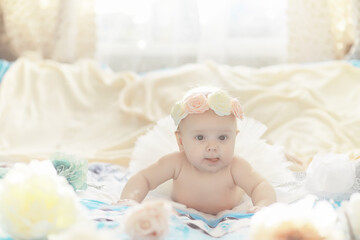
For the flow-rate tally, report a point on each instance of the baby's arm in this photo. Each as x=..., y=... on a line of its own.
x=261, y=192
x=149, y=178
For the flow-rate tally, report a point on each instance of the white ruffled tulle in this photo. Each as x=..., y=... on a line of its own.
x=268, y=160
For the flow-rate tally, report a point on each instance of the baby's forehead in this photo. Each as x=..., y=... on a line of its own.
x=198, y=128
x=212, y=130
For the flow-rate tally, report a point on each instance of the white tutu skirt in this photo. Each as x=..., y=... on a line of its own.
x=268, y=160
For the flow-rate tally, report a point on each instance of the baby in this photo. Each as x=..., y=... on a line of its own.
x=206, y=174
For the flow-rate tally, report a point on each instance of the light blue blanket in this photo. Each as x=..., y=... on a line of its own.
x=183, y=225
x=4, y=66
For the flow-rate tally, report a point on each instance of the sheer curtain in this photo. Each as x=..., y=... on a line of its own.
x=152, y=34
x=143, y=35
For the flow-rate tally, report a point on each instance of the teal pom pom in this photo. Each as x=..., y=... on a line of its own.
x=3, y=171
x=74, y=169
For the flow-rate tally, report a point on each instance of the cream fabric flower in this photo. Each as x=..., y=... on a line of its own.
x=196, y=104
x=220, y=102
x=148, y=221
x=178, y=112
x=35, y=201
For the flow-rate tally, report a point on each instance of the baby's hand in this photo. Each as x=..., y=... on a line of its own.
x=254, y=209
x=126, y=202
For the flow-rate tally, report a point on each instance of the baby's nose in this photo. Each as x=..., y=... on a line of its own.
x=211, y=147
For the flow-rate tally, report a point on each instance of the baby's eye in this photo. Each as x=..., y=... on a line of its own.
x=199, y=137
x=223, y=137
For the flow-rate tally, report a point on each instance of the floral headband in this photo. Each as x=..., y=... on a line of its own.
x=220, y=102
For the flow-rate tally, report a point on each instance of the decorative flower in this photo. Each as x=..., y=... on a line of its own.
x=72, y=168
x=178, y=112
x=148, y=221
x=35, y=201
x=237, y=109
x=330, y=175
x=351, y=209
x=305, y=220
x=220, y=102
x=197, y=104
x=217, y=100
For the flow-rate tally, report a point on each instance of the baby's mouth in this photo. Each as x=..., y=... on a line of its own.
x=213, y=160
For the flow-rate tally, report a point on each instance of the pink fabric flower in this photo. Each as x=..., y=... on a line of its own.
x=148, y=221
x=197, y=104
x=237, y=109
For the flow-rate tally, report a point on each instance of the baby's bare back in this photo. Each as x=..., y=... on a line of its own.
x=206, y=191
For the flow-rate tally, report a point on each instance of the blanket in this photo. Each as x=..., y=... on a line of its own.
x=98, y=114
x=184, y=224
x=105, y=185
x=105, y=182
x=4, y=66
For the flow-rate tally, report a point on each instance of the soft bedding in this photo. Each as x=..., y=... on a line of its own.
x=99, y=115
x=107, y=180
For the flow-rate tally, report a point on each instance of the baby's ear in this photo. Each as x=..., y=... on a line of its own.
x=179, y=141
x=237, y=132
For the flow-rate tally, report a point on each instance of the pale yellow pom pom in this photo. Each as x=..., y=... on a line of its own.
x=35, y=201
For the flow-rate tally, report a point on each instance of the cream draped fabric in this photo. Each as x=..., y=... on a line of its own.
x=85, y=110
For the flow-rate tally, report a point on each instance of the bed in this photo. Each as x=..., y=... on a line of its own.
x=96, y=114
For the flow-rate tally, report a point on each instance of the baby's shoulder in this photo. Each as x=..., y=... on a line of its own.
x=173, y=157
x=238, y=160
x=174, y=161
x=240, y=163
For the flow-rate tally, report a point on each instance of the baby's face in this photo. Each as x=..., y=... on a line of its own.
x=208, y=140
